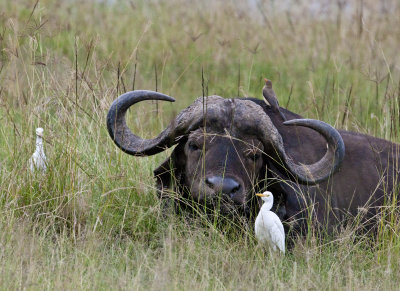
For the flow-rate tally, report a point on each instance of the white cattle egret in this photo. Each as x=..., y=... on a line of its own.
x=268, y=227
x=38, y=160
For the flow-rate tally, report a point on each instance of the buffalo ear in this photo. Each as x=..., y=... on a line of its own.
x=168, y=175
x=163, y=175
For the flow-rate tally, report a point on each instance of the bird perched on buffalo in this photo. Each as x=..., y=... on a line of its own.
x=270, y=97
x=268, y=227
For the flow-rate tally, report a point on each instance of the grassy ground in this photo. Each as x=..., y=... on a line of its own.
x=94, y=221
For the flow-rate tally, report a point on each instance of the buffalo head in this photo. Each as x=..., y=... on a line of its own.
x=222, y=148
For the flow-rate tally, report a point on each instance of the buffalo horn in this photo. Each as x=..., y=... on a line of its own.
x=325, y=167
x=187, y=120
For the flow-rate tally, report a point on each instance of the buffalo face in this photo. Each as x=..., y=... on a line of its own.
x=221, y=169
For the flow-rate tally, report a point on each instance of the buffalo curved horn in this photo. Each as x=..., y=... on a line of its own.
x=250, y=116
x=184, y=122
x=327, y=165
x=123, y=136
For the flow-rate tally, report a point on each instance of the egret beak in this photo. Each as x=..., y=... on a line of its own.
x=262, y=195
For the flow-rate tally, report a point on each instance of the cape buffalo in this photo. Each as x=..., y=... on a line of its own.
x=226, y=149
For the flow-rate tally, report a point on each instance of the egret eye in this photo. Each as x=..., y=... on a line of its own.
x=193, y=146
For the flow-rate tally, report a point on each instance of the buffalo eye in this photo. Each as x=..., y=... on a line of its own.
x=255, y=156
x=193, y=146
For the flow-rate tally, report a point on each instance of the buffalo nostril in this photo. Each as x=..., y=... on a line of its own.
x=234, y=190
x=214, y=182
x=231, y=189
x=211, y=182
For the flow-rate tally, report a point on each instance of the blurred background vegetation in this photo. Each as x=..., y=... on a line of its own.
x=93, y=220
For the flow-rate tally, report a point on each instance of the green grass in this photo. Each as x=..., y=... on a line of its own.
x=94, y=220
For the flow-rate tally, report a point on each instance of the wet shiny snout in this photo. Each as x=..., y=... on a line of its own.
x=225, y=185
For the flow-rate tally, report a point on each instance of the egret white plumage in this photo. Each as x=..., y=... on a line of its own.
x=268, y=226
x=38, y=160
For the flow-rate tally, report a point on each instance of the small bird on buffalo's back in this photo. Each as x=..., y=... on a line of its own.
x=38, y=161
x=268, y=227
x=270, y=97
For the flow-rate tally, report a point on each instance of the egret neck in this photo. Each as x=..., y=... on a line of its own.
x=39, y=145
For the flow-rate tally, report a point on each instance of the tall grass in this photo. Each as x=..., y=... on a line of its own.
x=93, y=221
